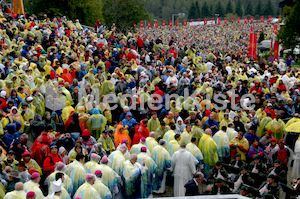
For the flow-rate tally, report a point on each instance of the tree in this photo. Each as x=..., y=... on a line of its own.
x=289, y=34
x=192, y=11
x=239, y=8
x=258, y=10
x=269, y=8
x=219, y=9
x=205, y=10
x=197, y=10
x=229, y=8
x=249, y=8
x=261, y=36
x=124, y=13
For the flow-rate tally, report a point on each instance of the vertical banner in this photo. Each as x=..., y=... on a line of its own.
x=245, y=20
x=219, y=21
x=252, y=44
x=232, y=20
x=279, y=17
x=149, y=24
x=163, y=23
x=262, y=19
x=134, y=25
x=156, y=24
x=275, y=29
x=269, y=19
x=171, y=23
x=252, y=29
x=225, y=20
x=251, y=19
x=199, y=20
x=255, y=46
x=177, y=23
x=212, y=21
x=205, y=21
x=238, y=20
x=142, y=24
x=185, y=23
x=276, y=48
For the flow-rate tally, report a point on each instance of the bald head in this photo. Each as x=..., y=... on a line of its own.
x=208, y=131
x=19, y=186
x=133, y=158
x=152, y=134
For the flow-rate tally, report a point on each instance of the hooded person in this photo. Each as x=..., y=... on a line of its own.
x=74, y=126
x=141, y=131
x=153, y=123
x=97, y=149
x=120, y=134
x=66, y=112
x=97, y=123
x=87, y=190
x=33, y=185
x=76, y=171
x=83, y=117
x=12, y=133
x=67, y=76
x=30, y=163
x=48, y=120
x=103, y=190
x=162, y=159
x=38, y=102
x=15, y=98
x=180, y=126
x=15, y=116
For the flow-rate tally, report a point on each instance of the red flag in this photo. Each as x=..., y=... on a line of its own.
x=251, y=19
x=219, y=21
x=269, y=19
x=192, y=20
x=275, y=29
x=8, y=10
x=279, y=17
x=205, y=21
x=262, y=19
x=177, y=23
x=252, y=44
x=252, y=29
x=185, y=23
x=156, y=24
x=238, y=19
x=245, y=20
x=225, y=20
x=170, y=23
x=276, y=48
x=255, y=46
x=232, y=20
x=199, y=20
x=134, y=25
x=212, y=21
x=164, y=23
x=149, y=24
x=142, y=24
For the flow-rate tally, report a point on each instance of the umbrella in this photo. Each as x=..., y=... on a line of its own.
x=264, y=45
x=295, y=127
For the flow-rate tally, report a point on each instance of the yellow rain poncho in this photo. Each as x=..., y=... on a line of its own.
x=150, y=143
x=64, y=193
x=67, y=111
x=231, y=133
x=39, y=103
x=147, y=177
x=225, y=122
x=117, y=161
x=173, y=146
x=277, y=127
x=222, y=142
x=15, y=194
x=91, y=167
x=153, y=124
x=161, y=132
x=2, y=191
x=131, y=174
x=103, y=191
x=209, y=149
x=185, y=137
x=32, y=186
x=195, y=151
x=262, y=126
x=242, y=143
x=96, y=123
x=87, y=191
x=68, y=183
x=197, y=132
x=107, y=87
x=291, y=121
x=169, y=136
x=109, y=177
x=77, y=173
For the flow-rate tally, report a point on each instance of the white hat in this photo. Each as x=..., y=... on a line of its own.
x=28, y=99
x=3, y=94
x=56, y=186
x=269, y=104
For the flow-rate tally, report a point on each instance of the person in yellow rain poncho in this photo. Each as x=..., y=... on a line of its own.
x=67, y=182
x=66, y=112
x=136, y=148
x=107, y=143
x=225, y=120
x=27, y=114
x=96, y=123
x=153, y=123
x=17, y=193
x=147, y=177
x=33, y=185
x=293, y=120
x=117, y=159
x=103, y=190
x=109, y=176
x=196, y=130
x=38, y=102
x=194, y=150
x=92, y=165
x=2, y=190
x=83, y=117
x=132, y=174
x=67, y=94
x=170, y=135
x=173, y=145
x=14, y=115
x=76, y=171
x=151, y=142
x=239, y=145
x=162, y=129
x=64, y=193
x=222, y=141
x=262, y=126
x=30, y=163
x=277, y=126
x=186, y=136
x=209, y=149
x=87, y=190
x=231, y=133
x=107, y=87
x=162, y=159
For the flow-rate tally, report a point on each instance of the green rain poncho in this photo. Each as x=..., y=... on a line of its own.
x=277, y=127
x=161, y=132
x=153, y=124
x=262, y=126
x=39, y=103
x=96, y=123
x=197, y=132
x=209, y=149
x=107, y=87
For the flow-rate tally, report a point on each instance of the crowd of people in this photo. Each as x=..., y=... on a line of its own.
x=104, y=114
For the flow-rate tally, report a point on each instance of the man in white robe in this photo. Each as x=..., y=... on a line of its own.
x=183, y=164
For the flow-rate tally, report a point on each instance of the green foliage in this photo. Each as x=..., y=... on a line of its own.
x=249, y=8
x=124, y=13
x=289, y=34
x=194, y=11
x=269, y=10
x=258, y=10
x=239, y=8
x=261, y=36
x=229, y=7
x=205, y=10
x=219, y=9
